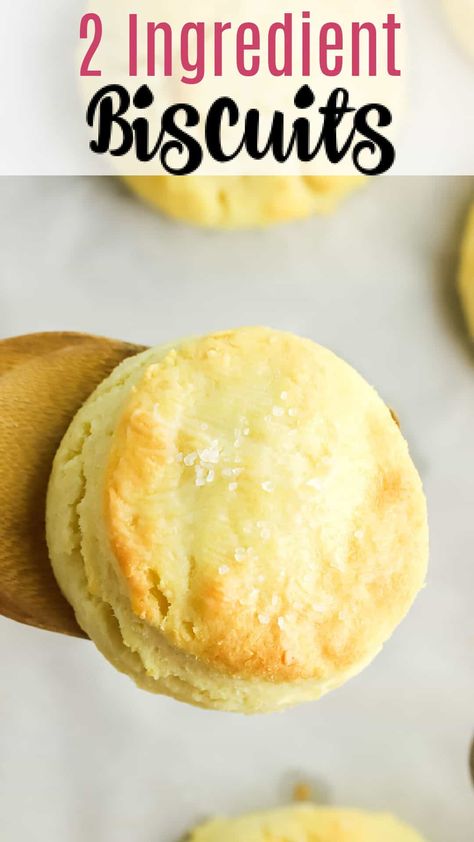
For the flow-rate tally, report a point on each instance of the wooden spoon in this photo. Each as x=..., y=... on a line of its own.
x=44, y=379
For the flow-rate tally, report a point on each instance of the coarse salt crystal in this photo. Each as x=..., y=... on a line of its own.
x=264, y=619
x=190, y=459
x=210, y=454
x=223, y=569
x=233, y=486
x=278, y=411
x=200, y=475
x=267, y=486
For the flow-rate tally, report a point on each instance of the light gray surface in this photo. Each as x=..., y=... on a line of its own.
x=84, y=756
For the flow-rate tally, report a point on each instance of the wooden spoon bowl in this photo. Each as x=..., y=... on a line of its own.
x=44, y=379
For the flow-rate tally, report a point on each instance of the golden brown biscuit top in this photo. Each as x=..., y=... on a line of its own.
x=262, y=507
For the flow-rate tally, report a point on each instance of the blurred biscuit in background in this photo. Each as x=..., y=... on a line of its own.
x=307, y=824
x=466, y=273
x=461, y=18
x=242, y=201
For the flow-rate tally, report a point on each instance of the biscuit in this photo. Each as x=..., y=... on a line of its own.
x=307, y=824
x=461, y=18
x=236, y=520
x=466, y=273
x=242, y=202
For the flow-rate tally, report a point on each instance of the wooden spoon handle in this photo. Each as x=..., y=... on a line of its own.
x=44, y=379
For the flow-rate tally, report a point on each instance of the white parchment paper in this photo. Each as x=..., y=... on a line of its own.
x=84, y=756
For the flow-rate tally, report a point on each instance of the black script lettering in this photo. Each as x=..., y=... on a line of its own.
x=102, y=105
x=334, y=112
x=183, y=142
x=213, y=129
x=374, y=140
